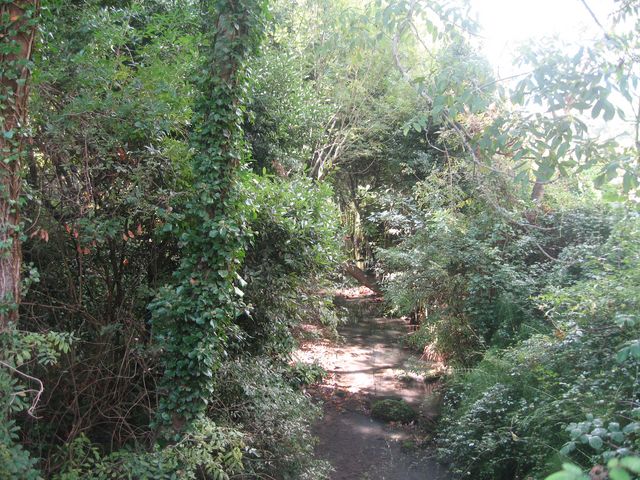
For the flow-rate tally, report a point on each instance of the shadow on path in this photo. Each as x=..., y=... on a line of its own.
x=370, y=364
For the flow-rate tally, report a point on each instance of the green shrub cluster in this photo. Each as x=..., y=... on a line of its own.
x=275, y=415
x=472, y=272
x=207, y=451
x=533, y=305
x=569, y=394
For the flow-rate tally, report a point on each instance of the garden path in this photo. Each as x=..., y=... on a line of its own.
x=369, y=364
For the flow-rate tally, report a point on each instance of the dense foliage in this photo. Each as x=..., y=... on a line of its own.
x=111, y=201
x=194, y=173
x=527, y=291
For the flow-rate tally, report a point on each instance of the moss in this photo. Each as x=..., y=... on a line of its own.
x=393, y=411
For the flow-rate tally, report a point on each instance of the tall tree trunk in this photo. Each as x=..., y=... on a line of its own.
x=17, y=35
x=196, y=315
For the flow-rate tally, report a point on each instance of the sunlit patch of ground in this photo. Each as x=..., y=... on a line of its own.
x=358, y=292
x=368, y=362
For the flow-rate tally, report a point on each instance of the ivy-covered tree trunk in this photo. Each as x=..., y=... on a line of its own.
x=18, y=29
x=193, y=320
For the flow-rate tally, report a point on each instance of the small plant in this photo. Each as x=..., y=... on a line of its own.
x=301, y=374
x=626, y=468
x=393, y=411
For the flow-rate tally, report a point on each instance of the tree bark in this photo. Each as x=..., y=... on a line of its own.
x=362, y=277
x=17, y=30
x=538, y=191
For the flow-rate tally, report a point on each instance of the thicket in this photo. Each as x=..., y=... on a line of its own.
x=121, y=192
x=195, y=173
x=515, y=247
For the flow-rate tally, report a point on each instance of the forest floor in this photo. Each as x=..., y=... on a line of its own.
x=366, y=364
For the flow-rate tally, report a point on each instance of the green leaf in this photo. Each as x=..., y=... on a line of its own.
x=560, y=476
x=595, y=442
x=609, y=111
x=570, y=467
x=631, y=463
x=597, y=108
x=617, y=437
x=238, y=292
x=622, y=355
x=619, y=474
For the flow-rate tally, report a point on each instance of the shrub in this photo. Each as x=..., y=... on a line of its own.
x=275, y=416
x=294, y=243
x=208, y=451
x=391, y=410
x=507, y=417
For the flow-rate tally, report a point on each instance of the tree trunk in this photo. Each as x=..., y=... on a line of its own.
x=17, y=30
x=538, y=191
x=362, y=277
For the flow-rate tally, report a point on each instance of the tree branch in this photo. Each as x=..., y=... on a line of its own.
x=40, y=391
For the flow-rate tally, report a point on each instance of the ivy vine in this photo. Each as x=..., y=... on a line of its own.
x=193, y=320
x=18, y=26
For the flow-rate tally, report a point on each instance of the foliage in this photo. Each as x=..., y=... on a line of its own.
x=109, y=189
x=302, y=374
x=208, y=451
x=191, y=320
x=19, y=22
x=503, y=417
x=294, y=243
x=626, y=468
x=391, y=410
x=276, y=417
x=170, y=137
x=109, y=123
x=18, y=390
x=471, y=270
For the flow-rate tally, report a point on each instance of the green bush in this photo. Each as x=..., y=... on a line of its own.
x=276, y=418
x=19, y=393
x=207, y=451
x=300, y=374
x=295, y=242
x=570, y=395
x=391, y=410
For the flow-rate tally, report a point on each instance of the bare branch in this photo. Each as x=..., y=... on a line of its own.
x=31, y=411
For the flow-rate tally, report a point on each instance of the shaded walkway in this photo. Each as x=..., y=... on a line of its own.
x=370, y=364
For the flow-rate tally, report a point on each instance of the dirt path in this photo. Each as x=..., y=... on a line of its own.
x=369, y=364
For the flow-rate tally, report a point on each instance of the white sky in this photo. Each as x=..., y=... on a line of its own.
x=507, y=23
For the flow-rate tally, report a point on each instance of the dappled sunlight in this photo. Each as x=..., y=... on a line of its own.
x=367, y=364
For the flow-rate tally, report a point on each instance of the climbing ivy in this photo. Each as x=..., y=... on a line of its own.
x=18, y=24
x=193, y=320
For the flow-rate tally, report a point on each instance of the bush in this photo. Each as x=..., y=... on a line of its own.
x=571, y=395
x=20, y=351
x=301, y=374
x=275, y=416
x=390, y=410
x=295, y=242
x=208, y=451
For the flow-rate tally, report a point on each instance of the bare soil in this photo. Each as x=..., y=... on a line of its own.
x=366, y=364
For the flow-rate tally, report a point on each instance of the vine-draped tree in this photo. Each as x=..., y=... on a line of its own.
x=18, y=27
x=193, y=319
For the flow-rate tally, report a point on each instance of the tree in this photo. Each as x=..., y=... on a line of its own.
x=18, y=26
x=192, y=321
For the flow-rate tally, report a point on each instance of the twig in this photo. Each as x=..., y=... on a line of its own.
x=32, y=409
x=595, y=19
